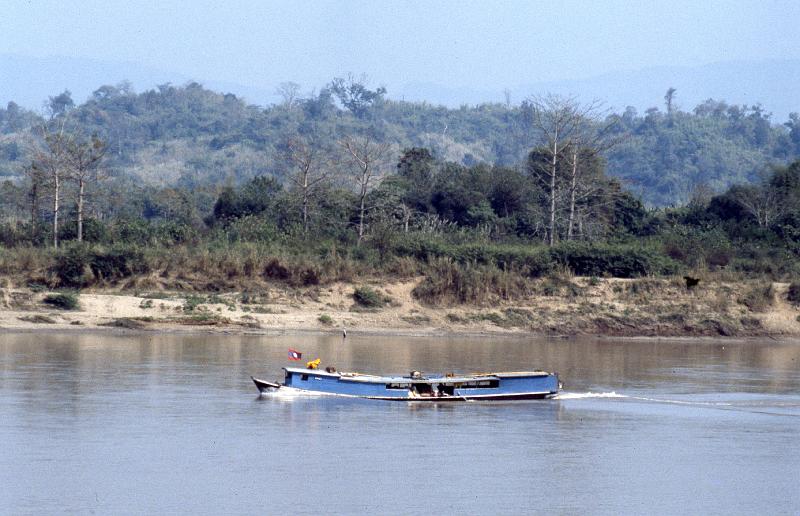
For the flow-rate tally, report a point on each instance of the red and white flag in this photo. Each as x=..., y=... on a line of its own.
x=294, y=354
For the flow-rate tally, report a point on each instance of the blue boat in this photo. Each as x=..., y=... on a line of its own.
x=524, y=385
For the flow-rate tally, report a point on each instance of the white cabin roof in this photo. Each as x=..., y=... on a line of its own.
x=432, y=378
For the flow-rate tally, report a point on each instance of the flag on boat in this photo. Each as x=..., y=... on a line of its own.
x=294, y=354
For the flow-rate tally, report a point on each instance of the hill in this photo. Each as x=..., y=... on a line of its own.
x=193, y=136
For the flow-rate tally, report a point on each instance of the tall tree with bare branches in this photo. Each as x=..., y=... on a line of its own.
x=592, y=137
x=83, y=160
x=573, y=133
x=49, y=154
x=557, y=119
x=367, y=160
x=311, y=167
x=761, y=201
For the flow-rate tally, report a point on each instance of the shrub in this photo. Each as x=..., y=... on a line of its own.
x=192, y=302
x=72, y=266
x=759, y=297
x=79, y=265
x=617, y=260
x=250, y=228
x=550, y=288
x=447, y=282
x=117, y=263
x=16, y=233
x=325, y=319
x=297, y=275
x=93, y=231
x=368, y=297
x=455, y=318
x=532, y=261
x=793, y=294
x=62, y=301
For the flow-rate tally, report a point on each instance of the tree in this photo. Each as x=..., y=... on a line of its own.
x=60, y=104
x=36, y=176
x=586, y=173
x=761, y=201
x=289, y=93
x=367, y=159
x=416, y=177
x=557, y=119
x=83, y=160
x=255, y=197
x=794, y=131
x=669, y=100
x=354, y=94
x=311, y=167
x=591, y=138
x=50, y=155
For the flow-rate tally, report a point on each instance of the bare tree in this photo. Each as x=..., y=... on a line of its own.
x=557, y=118
x=311, y=168
x=83, y=160
x=367, y=159
x=761, y=201
x=50, y=157
x=591, y=138
x=289, y=92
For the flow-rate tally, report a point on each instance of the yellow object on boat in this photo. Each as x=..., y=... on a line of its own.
x=313, y=364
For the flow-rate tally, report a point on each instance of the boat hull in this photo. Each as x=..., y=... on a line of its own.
x=480, y=387
x=264, y=386
x=433, y=399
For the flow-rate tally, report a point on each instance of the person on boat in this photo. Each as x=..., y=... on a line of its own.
x=314, y=364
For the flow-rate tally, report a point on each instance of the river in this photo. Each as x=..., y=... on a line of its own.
x=96, y=423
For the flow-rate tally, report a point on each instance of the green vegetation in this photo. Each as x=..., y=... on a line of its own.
x=347, y=184
x=62, y=301
x=367, y=297
x=759, y=297
x=201, y=139
x=325, y=319
x=793, y=294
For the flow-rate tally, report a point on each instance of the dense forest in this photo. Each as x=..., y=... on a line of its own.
x=345, y=182
x=189, y=136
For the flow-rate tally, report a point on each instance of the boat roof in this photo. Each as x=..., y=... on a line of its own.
x=431, y=378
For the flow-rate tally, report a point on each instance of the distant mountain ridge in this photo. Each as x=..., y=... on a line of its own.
x=772, y=84
x=28, y=81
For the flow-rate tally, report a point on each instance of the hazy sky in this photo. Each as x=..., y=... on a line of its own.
x=479, y=44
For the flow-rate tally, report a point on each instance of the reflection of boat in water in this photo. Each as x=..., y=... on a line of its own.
x=524, y=385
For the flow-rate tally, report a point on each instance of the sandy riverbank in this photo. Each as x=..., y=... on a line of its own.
x=611, y=307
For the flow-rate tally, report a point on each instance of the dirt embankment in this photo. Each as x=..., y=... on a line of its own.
x=572, y=306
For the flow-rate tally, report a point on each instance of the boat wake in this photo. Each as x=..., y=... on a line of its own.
x=585, y=395
x=290, y=393
x=612, y=394
x=684, y=402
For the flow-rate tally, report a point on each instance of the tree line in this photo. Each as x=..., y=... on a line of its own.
x=349, y=189
x=191, y=137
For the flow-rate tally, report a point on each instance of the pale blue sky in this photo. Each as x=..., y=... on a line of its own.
x=468, y=43
x=449, y=52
